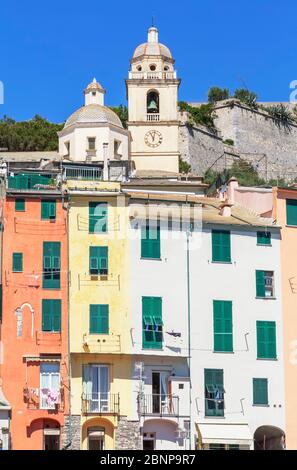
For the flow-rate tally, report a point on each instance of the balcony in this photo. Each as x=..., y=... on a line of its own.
x=153, y=117
x=160, y=405
x=83, y=173
x=44, y=399
x=102, y=343
x=152, y=75
x=101, y=403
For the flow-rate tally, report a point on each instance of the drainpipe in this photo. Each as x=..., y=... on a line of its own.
x=105, y=161
x=188, y=233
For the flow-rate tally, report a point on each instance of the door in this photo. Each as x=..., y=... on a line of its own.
x=100, y=389
x=49, y=385
x=148, y=444
x=160, y=392
x=51, y=442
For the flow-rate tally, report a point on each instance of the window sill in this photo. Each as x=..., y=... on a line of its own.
x=214, y=417
x=221, y=262
x=19, y=272
x=152, y=349
x=264, y=405
x=291, y=226
x=223, y=352
x=267, y=359
x=263, y=244
x=99, y=334
x=152, y=259
x=266, y=298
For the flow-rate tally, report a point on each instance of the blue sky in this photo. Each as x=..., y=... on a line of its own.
x=49, y=51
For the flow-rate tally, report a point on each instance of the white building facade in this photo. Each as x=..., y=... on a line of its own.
x=209, y=292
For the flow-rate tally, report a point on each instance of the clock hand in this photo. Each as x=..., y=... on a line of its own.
x=153, y=135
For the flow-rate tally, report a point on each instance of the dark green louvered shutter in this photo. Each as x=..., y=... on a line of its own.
x=56, y=315
x=150, y=241
x=98, y=215
x=17, y=262
x=51, y=315
x=104, y=320
x=291, y=206
x=98, y=259
x=266, y=340
x=48, y=209
x=94, y=319
x=221, y=246
x=260, y=392
x=51, y=265
x=263, y=238
x=99, y=319
x=19, y=205
x=46, y=315
x=152, y=322
x=222, y=317
x=260, y=283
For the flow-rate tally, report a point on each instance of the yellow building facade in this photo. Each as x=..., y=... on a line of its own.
x=99, y=315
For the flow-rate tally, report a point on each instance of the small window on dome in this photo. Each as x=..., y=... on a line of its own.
x=166, y=68
x=139, y=68
x=152, y=67
x=94, y=93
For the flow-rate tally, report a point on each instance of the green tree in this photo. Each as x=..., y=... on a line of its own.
x=202, y=114
x=216, y=93
x=184, y=167
x=247, y=97
x=37, y=134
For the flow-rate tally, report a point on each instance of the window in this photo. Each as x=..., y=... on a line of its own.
x=264, y=284
x=51, y=315
x=98, y=260
x=49, y=385
x=152, y=102
x=117, y=147
x=291, y=206
x=152, y=324
x=91, y=143
x=263, y=238
x=214, y=392
x=260, y=391
x=96, y=389
x=221, y=249
x=222, y=323
x=99, y=322
x=48, y=209
x=150, y=241
x=17, y=262
x=266, y=340
x=67, y=149
x=51, y=265
x=98, y=217
x=20, y=205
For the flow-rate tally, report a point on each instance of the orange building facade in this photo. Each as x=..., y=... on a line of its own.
x=34, y=326
x=285, y=212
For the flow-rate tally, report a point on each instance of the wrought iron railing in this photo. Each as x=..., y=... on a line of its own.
x=101, y=403
x=156, y=404
x=43, y=398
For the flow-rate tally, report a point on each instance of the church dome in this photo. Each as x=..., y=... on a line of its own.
x=93, y=113
x=152, y=47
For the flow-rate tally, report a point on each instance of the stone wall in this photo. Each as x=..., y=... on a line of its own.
x=127, y=435
x=71, y=433
x=259, y=139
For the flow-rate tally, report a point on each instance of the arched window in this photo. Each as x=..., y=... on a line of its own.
x=152, y=102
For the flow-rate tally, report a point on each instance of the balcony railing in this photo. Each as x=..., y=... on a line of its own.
x=152, y=75
x=44, y=398
x=101, y=403
x=153, y=117
x=162, y=405
x=83, y=173
x=97, y=343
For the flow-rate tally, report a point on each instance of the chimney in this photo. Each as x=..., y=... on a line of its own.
x=232, y=186
x=105, y=161
x=225, y=209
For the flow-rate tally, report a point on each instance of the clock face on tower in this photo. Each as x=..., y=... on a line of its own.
x=153, y=138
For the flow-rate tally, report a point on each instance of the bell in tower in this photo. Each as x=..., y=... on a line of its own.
x=153, y=102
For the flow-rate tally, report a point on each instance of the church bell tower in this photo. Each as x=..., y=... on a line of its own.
x=152, y=89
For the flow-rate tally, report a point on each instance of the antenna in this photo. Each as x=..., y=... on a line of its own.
x=153, y=21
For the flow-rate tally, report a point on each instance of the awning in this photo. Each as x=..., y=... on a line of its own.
x=42, y=358
x=213, y=433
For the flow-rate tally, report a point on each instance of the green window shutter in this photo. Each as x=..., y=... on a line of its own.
x=51, y=315
x=99, y=319
x=222, y=320
x=20, y=205
x=291, y=207
x=48, y=209
x=51, y=265
x=98, y=260
x=263, y=238
x=150, y=242
x=17, y=262
x=260, y=392
x=221, y=246
x=98, y=217
x=152, y=324
x=266, y=340
x=260, y=283
x=214, y=392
